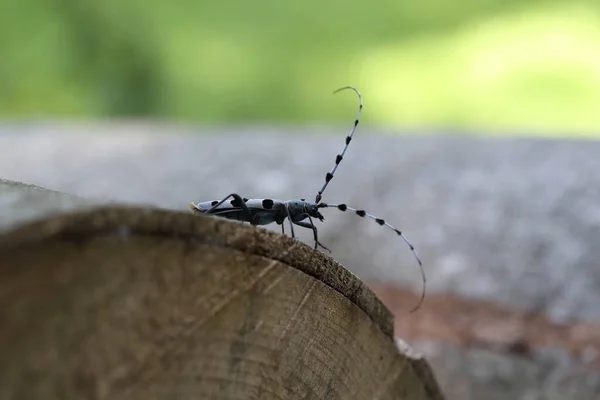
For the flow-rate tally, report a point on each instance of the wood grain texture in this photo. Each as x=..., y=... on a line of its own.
x=131, y=303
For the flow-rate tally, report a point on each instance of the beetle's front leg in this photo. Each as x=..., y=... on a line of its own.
x=314, y=229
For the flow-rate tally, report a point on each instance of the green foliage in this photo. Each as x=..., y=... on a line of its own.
x=474, y=64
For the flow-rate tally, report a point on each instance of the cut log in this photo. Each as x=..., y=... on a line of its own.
x=108, y=301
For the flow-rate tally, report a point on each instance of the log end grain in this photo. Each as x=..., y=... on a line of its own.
x=137, y=303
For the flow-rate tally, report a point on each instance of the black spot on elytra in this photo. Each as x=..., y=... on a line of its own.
x=245, y=200
x=380, y=221
x=214, y=203
x=267, y=204
x=342, y=207
x=361, y=213
x=328, y=176
x=235, y=203
x=338, y=159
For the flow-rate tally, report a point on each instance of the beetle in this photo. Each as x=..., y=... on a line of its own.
x=267, y=211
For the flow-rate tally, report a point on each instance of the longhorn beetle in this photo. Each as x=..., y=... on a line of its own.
x=267, y=211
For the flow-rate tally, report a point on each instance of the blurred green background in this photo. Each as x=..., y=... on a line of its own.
x=488, y=66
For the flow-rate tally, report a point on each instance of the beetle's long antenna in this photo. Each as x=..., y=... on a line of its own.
x=363, y=213
x=340, y=156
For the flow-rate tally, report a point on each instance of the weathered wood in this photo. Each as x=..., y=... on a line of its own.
x=136, y=303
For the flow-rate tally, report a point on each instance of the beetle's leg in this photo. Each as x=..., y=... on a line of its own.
x=314, y=229
x=239, y=202
x=289, y=217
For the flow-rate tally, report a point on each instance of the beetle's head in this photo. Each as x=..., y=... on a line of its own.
x=311, y=209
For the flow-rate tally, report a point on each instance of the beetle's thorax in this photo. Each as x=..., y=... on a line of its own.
x=302, y=209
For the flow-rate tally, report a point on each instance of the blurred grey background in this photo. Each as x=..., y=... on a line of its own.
x=516, y=221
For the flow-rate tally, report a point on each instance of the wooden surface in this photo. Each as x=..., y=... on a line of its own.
x=131, y=303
